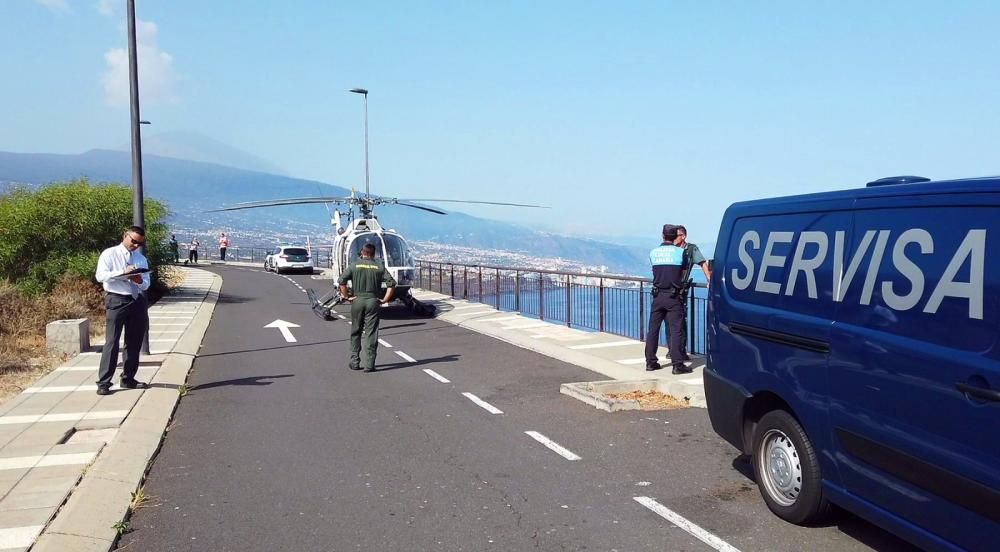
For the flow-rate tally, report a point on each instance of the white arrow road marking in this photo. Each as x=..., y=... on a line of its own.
x=699, y=533
x=283, y=328
x=436, y=375
x=485, y=405
x=554, y=446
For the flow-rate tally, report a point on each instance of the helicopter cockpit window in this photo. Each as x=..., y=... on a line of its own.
x=399, y=253
x=360, y=242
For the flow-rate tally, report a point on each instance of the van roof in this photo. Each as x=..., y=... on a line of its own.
x=962, y=185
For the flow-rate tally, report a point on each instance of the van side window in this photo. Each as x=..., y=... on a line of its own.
x=787, y=261
x=925, y=269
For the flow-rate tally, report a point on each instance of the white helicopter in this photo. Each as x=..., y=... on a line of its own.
x=365, y=229
x=361, y=230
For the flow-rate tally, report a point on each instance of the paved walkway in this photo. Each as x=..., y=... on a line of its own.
x=58, y=430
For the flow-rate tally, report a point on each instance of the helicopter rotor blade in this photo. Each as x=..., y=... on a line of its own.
x=280, y=202
x=480, y=202
x=421, y=207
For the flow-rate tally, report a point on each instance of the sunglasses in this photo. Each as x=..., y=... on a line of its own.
x=135, y=241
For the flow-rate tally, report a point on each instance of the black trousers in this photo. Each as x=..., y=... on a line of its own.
x=193, y=255
x=130, y=315
x=222, y=253
x=670, y=309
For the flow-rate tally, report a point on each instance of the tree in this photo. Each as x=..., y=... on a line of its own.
x=62, y=227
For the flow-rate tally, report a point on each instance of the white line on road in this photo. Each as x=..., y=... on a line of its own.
x=385, y=343
x=554, y=446
x=464, y=307
x=436, y=376
x=341, y=316
x=603, y=345
x=699, y=533
x=630, y=361
x=406, y=357
x=487, y=406
x=19, y=537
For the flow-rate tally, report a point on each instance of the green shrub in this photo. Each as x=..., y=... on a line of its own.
x=62, y=227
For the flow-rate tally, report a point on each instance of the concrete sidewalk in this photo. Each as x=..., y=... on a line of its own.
x=618, y=358
x=60, y=439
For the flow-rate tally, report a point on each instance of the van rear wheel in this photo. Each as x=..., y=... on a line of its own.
x=787, y=469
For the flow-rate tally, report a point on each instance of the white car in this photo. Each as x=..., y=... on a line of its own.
x=286, y=258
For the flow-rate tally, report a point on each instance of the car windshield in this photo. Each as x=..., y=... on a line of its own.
x=399, y=253
x=295, y=251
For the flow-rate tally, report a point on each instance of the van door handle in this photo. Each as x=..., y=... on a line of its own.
x=978, y=392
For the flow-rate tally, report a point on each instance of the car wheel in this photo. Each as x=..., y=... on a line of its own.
x=787, y=469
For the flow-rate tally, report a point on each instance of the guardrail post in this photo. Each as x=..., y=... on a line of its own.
x=541, y=296
x=690, y=320
x=642, y=308
x=452, y=280
x=569, y=296
x=465, y=281
x=517, y=290
x=496, y=290
x=600, y=308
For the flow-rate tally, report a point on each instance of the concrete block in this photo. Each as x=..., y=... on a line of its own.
x=68, y=337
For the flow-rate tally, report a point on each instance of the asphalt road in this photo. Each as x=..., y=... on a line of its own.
x=278, y=446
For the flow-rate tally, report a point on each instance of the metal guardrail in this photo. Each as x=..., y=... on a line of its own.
x=618, y=305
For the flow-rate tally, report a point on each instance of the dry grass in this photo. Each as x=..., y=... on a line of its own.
x=651, y=400
x=23, y=358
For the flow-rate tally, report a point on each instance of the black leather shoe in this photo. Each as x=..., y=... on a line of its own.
x=369, y=369
x=133, y=384
x=103, y=391
x=653, y=367
x=355, y=367
x=677, y=370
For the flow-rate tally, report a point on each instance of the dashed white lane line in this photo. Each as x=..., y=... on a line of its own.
x=405, y=356
x=19, y=537
x=678, y=520
x=65, y=417
x=485, y=405
x=341, y=316
x=46, y=460
x=603, y=345
x=384, y=343
x=436, y=375
x=552, y=445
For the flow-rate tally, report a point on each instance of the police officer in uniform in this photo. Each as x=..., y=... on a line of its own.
x=694, y=258
x=367, y=275
x=669, y=265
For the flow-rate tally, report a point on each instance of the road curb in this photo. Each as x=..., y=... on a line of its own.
x=87, y=521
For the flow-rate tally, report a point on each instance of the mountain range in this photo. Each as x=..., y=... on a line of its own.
x=191, y=187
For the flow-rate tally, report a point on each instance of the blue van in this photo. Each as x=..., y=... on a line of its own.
x=854, y=354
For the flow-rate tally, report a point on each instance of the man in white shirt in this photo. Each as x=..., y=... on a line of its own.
x=126, y=308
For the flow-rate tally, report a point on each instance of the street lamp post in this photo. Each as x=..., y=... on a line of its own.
x=138, y=213
x=365, y=94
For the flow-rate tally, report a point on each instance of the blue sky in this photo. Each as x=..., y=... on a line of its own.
x=621, y=116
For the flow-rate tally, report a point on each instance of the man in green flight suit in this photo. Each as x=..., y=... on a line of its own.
x=367, y=275
x=694, y=258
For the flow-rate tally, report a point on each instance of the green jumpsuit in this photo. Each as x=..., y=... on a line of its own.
x=367, y=277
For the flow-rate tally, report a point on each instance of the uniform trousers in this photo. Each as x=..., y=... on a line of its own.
x=131, y=315
x=670, y=309
x=364, y=320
